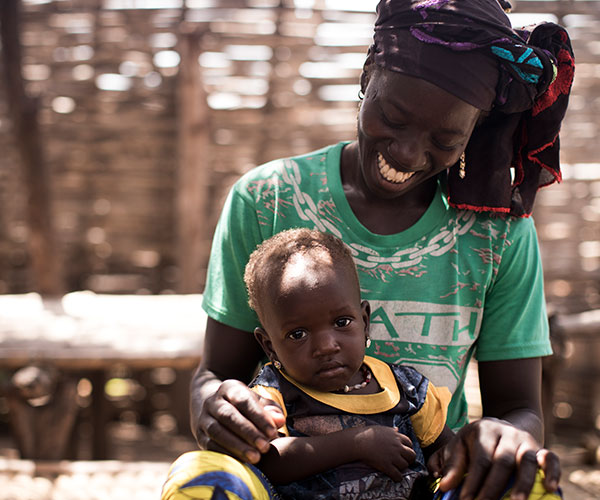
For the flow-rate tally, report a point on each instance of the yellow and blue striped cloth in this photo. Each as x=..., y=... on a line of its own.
x=214, y=476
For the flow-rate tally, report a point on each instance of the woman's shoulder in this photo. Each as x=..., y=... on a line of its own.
x=286, y=167
x=514, y=225
x=501, y=225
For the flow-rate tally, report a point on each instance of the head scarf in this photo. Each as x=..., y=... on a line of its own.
x=521, y=77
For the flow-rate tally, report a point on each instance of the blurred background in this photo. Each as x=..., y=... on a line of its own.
x=123, y=123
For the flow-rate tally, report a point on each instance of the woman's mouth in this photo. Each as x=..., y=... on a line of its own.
x=391, y=174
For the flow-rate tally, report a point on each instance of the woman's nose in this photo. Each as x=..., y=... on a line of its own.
x=409, y=151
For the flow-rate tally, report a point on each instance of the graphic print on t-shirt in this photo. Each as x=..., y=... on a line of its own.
x=434, y=338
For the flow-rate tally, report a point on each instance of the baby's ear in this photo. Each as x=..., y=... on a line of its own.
x=263, y=339
x=366, y=314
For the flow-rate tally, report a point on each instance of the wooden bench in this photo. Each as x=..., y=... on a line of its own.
x=46, y=345
x=571, y=377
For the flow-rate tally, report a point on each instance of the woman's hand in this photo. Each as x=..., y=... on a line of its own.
x=237, y=421
x=488, y=452
x=226, y=416
x=385, y=449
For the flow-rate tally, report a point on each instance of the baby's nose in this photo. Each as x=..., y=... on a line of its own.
x=324, y=344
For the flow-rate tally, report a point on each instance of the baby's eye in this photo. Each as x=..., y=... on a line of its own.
x=297, y=334
x=342, y=322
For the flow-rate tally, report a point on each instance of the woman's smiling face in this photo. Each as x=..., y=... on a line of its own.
x=409, y=130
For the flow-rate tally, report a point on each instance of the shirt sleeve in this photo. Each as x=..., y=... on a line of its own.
x=275, y=395
x=515, y=323
x=237, y=234
x=428, y=423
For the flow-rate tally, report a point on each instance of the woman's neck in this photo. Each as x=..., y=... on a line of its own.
x=382, y=216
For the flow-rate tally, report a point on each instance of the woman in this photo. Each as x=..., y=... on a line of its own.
x=457, y=129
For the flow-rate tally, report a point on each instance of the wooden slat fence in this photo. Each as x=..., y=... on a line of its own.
x=151, y=109
x=279, y=78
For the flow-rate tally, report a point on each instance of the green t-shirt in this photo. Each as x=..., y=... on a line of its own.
x=455, y=284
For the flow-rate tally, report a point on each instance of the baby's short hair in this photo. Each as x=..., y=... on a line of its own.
x=271, y=256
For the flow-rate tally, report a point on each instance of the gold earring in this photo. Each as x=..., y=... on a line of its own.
x=462, y=166
x=277, y=364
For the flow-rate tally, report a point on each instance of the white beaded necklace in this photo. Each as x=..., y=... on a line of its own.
x=367, y=378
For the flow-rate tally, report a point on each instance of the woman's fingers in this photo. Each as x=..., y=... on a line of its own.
x=507, y=464
x=254, y=422
x=478, y=464
x=485, y=455
x=232, y=432
x=455, y=463
x=219, y=438
x=525, y=474
x=549, y=462
x=234, y=419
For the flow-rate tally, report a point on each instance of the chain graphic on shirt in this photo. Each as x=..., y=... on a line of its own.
x=366, y=257
x=305, y=206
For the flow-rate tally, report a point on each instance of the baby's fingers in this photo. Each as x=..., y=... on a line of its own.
x=435, y=464
x=403, y=438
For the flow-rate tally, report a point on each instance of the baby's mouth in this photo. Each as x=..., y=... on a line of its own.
x=390, y=173
x=330, y=368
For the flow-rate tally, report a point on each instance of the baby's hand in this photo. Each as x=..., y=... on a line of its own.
x=385, y=449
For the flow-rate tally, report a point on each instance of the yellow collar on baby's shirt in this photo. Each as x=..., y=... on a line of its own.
x=366, y=404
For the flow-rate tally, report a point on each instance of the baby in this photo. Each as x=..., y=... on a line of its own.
x=356, y=427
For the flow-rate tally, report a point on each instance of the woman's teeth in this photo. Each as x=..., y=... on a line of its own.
x=390, y=173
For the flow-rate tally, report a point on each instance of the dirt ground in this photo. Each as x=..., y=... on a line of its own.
x=140, y=459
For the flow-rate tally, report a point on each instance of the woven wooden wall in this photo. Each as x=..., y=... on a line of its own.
x=269, y=78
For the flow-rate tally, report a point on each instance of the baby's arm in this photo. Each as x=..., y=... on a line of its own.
x=434, y=453
x=443, y=439
x=294, y=458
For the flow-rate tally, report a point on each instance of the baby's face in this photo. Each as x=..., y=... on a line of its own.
x=316, y=324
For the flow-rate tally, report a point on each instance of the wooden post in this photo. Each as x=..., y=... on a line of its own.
x=23, y=110
x=42, y=429
x=100, y=416
x=193, y=169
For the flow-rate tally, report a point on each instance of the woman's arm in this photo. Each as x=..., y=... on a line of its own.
x=226, y=416
x=508, y=440
x=294, y=458
x=511, y=391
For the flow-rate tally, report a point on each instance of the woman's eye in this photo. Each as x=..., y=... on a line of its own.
x=447, y=145
x=342, y=322
x=297, y=334
x=390, y=123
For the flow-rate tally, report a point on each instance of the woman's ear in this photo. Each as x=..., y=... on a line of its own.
x=263, y=339
x=482, y=117
x=368, y=68
x=366, y=315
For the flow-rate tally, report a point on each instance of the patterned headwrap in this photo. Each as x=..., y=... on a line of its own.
x=522, y=77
